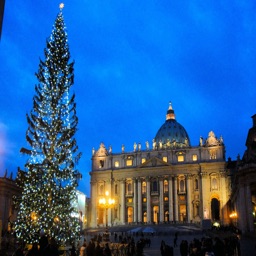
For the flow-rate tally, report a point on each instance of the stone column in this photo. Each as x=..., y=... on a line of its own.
x=139, y=202
x=248, y=199
x=94, y=212
x=135, y=201
x=242, y=220
x=170, y=199
x=161, y=200
x=122, y=201
x=149, y=218
x=109, y=210
x=176, y=205
x=188, y=182
x=204, y=211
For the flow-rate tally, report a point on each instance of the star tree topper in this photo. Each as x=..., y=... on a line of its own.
x=61, y=6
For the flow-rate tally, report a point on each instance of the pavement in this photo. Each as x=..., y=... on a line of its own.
x=166, y=232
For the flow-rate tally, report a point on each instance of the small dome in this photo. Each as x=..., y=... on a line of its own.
x=171, y=134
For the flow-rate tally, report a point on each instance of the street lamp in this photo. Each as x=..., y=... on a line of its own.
x=106, y=203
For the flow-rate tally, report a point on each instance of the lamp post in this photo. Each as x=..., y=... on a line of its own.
x=106, y=203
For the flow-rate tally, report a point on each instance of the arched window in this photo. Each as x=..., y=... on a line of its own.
x=144, y=187
x=166, y=216
x=130, y=214
x=182, y=185
x=154, y=186
x=145, y=217
x=129, y=188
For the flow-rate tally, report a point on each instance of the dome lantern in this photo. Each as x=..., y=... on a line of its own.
x=171, y=134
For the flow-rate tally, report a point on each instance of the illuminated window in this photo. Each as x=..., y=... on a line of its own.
x=144, y=187
x=143, y=160
x=144, y=199
x=145, y=217
x=180, y=158
x=130, y=214
x=129, y=200
x=165, y=186
x=129, y=162
x=213, y=154
x=166, y=216
x=194, y=157
x=165, y=159
x=166, y=198
x=116, y=163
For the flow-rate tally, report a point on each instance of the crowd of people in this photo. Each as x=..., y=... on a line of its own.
x=126, y=245
x=206, y=246
x=131, y=244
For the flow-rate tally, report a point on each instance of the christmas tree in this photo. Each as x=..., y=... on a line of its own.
x=48, y=200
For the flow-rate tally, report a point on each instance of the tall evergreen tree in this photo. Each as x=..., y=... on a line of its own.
x=48, y=200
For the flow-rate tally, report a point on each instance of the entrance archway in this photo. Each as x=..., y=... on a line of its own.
x=155, y=214
x=215, y=209
x=130, y=214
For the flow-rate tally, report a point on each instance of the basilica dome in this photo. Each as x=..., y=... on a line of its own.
x=171, y=134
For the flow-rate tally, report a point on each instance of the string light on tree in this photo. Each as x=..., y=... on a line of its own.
x=50, y=179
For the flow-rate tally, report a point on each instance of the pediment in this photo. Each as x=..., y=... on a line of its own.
x=154, y=161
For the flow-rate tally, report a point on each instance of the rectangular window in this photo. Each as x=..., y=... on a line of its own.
x=144, y=199
x=180, y=158
x=129, y=200
x=128, y=162
x=101, y=164
x=165, y=159
x=143, y=160
x=194, y=157
x=116, y=163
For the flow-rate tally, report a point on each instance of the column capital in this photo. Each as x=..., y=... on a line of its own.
x=188, y=176
x=203, y=174
x=139, y=179
x=161, y=178
x=223, y=174
x=148, y=178
x=122, y=181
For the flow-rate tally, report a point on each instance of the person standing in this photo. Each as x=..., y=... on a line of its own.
x=82, y=251
x=34, y=251
x=51, y=249
x=107, y=251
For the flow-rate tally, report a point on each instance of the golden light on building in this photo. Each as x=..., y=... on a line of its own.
x=106, y=203
x=233, y=215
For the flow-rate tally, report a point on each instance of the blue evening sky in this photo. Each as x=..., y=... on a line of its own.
x=132, y=58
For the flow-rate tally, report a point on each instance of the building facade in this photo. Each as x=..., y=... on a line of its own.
x=170, y=181
x=8, y=189
x=243, y=199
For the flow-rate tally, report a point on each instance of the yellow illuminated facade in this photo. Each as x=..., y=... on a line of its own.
x=167, y=181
